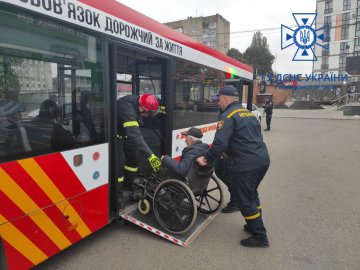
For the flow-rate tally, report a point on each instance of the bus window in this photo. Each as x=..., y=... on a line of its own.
x=150, y=82
x=42, y=63
x=195, y=85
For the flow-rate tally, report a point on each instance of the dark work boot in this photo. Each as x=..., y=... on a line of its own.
x=255, y=241
x=230, y=208
x=267, y=129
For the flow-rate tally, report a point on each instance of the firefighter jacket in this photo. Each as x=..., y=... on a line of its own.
x=188, y=155
x=128, y=117
x=238, y=135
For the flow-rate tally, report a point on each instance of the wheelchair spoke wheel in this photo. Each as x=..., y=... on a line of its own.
x=174, y=206
x=210, y=200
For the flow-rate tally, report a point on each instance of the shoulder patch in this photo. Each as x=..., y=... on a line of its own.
x=220, y=124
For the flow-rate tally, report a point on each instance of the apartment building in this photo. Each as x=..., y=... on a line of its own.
x=343, y=19
x=213, y=31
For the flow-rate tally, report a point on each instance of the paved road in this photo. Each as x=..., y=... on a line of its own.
x=310, y=199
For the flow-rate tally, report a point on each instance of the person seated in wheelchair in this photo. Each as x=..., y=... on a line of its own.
x=194, y=148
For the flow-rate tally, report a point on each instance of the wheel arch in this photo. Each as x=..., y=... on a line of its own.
x=3, y=263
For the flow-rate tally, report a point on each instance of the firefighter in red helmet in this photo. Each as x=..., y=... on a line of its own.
x=130, y=110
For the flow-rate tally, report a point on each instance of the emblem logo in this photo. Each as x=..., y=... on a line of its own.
x=305, y=37
x=220, y=124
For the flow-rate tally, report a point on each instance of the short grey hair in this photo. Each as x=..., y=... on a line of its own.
x=194, y=138
x=233, y=98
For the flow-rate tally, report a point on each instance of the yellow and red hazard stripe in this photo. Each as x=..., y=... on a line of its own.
x=45, y=207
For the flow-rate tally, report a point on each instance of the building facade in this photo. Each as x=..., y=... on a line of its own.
x=343, y=20
x=213, y=31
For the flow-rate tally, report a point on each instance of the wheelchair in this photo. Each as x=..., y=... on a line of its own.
x=176, y=202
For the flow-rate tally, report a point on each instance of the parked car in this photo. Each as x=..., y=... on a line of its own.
x=255, y=110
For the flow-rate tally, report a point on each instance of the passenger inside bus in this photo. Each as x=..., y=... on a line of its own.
x=14, y=137
x=59, y=137
x=86, y=117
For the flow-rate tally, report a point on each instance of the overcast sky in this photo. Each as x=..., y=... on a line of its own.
x=243, y=15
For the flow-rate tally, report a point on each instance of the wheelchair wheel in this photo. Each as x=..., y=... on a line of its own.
x=211, y=199
x=144, y=206
x=174, y=206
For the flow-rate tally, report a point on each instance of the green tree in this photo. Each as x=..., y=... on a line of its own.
x=258, y=54
x=236, y=54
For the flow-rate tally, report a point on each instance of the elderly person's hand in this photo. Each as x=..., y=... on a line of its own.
x=201, y=161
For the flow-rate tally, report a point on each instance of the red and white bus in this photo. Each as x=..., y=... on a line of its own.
x=82, y=56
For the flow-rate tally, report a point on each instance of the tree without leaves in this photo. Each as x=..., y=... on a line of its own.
x=258, y=54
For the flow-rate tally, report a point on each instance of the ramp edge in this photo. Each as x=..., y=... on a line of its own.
x=154, y=230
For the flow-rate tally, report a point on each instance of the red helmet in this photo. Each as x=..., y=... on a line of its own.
x=149, y=103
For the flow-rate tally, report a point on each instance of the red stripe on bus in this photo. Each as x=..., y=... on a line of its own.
x=36, y=235
x=125, y=13
x=27, y=184
x=57, y=169
x=8, y=209
x=27, y=227
x=93, y=207
x=62, y=223
x=15, y=260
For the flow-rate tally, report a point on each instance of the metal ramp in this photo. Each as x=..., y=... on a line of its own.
x=149, y=223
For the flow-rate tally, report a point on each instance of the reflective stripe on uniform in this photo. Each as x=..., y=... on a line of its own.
x=131, y=169
x=131, y=124
x=121, y=179
x=253, y=216
x=258, y=207
x=235, y=111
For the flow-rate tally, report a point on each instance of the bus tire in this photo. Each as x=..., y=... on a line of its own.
x=3, y=264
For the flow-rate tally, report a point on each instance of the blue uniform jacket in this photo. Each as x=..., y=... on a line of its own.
x=239, y=136
x=128, y=118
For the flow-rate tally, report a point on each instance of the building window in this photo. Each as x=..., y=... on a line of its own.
x=357, y=30
x=342, y=61
x=328, y=7
x=179, y=29
x=344, y=48
x=357, y=45
x=346, y=18
x=327, y=20
x=345, y=32
x=325, y=51
x=347, y=4
x=194, y=29
x=325, y=63
x=212, y=25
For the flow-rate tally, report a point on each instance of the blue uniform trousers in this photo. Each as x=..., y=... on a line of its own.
x=244, y=188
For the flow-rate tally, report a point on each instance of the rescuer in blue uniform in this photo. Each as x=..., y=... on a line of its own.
x=130, y=109
x=268, y=109
x=247, y=160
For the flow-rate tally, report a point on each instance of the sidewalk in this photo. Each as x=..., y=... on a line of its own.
x=329, y=112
